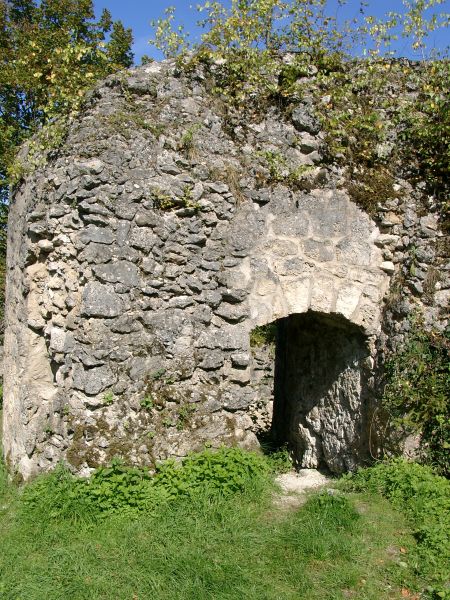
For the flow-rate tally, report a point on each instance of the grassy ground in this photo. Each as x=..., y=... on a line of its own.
x=210, y=547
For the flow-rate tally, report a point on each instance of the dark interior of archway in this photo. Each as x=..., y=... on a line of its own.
x=321, y=400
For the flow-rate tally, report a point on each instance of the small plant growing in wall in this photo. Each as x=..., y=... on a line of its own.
x=148, y=402
x=187, y=143
x=187, y=200
x=157, y=129
x=167, y=422
x=162, y=200
x=108, y=399
x=416, y=392
x=276, y=164
x=48, y=431
x=263, y=335
x=184, y=415
x=157, y=375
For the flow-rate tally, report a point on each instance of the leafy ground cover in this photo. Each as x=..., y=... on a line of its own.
x=208, y=530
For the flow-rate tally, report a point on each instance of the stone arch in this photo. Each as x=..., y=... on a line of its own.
x=312, y=252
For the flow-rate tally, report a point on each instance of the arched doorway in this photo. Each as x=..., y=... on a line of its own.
x=321, y=396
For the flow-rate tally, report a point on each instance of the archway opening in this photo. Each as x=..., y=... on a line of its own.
x=320, y=391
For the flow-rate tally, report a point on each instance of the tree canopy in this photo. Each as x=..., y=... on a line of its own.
x=309, y=26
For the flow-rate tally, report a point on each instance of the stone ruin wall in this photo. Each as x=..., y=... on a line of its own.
x=144, y=253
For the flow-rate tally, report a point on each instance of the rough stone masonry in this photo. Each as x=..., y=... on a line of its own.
x=147, y=250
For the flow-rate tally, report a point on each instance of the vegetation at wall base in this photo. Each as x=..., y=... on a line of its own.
x=212, y=538
x=416, y=392
x=121, y=489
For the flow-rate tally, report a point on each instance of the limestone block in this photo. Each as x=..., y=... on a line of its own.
x=93, y=381
x=241, y=376
x=293, y=267
x=35, y=318
x=266, y=286
x=354, y=252
x=388, y=267
x=37, y=272
x=93, y=165
x=304, y=120
x=322, y=295
x=46, y=245
x=319, y=250
x=297, y=295
x=347, y=300
x=92, y=233
x=226, y=338
x=234, y=296
x=295, y=225
x=331, y=219
x=280, y=248
x=60, y=340
x=240, y=359
x=96, y=253
x=368, y=316
x=232, y=312
x=212, y=360
x=100, y=301
x=121, y=271
x=142, y=238
x=263, y=311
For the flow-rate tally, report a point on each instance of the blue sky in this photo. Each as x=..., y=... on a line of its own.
x=137, y=14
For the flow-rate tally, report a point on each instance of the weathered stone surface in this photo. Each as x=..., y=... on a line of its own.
x=61, y=341
x=304, y=120
x=100, y=301
x=212, y=360
x=140, y=272
x=121, y=271
x=232, y=312
x=101, y=235
x=143, y=238
x=92, y=381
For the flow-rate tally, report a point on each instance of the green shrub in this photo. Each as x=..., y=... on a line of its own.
x=263, y=335
x=416, y=393
x=227, y=471
x=427, y=131
x=54, y=496
x=279, y=460
x=131, y=490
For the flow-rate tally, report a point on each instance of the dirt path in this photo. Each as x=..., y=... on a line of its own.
x=294, y=485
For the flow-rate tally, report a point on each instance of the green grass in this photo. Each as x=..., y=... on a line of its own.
x=204, y=540
x=424, y=498
x=207, y=547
